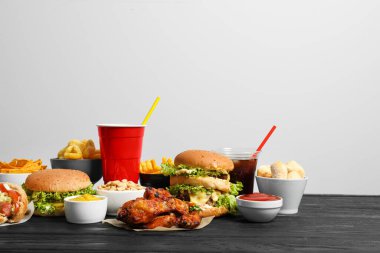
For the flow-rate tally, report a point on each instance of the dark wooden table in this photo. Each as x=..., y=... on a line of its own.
x=324, y=223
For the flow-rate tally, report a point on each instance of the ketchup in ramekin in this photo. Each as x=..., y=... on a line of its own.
x=257, y=196
x=259, y=207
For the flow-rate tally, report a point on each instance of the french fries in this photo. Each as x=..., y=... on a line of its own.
x=17, y=166
x=151, y=167
x=167, y=160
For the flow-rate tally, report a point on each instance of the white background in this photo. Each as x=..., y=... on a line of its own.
x=226, y=72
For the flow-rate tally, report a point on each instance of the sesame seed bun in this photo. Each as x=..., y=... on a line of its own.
x=206, y=160
x=57, y=180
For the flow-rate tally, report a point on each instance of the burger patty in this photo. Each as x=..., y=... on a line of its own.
x=224, y=177
x=199, y=172
x=207, y=182
x=184, y=196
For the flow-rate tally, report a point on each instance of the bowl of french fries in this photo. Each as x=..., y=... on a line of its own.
x=151, y=175
x=80, y=155
x=17, y=170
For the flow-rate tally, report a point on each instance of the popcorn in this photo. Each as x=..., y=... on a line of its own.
x=279, y=170
x=289, y=170
x=294, y=175
x=264, y=171
x=293, y=166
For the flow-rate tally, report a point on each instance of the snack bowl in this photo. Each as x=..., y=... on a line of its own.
x=259, y=211
x=15, y=178
x=92, y=167
x=291, y=190
x=117, y=198
x=85, y=212
x=154, y=180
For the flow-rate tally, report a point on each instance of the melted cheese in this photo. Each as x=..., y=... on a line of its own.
x=199, y=198
x=58, y=205
x=215, y=195
x=204, y=207
x=183, y=171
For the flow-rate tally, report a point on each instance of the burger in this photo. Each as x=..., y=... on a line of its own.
x=13, y=203
x=202, y=177
x=48, y=188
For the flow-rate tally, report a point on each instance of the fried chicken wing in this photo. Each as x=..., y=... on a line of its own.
x=142, y=210
x=191, y=220
x=153, y=193
x=158, y=208
x=166, y=221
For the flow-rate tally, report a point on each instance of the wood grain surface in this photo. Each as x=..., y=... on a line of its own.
x=324, y=222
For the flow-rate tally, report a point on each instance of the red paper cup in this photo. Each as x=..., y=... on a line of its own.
x=121, y=147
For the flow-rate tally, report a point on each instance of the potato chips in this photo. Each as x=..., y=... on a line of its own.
x=21, y=166
x=76, y=149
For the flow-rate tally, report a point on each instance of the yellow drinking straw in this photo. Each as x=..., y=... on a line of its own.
x=150, y=111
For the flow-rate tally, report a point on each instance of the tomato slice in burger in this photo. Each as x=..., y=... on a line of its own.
x=3, y=189
x=14, y=195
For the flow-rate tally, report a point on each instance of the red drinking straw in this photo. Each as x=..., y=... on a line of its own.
x=264, y=141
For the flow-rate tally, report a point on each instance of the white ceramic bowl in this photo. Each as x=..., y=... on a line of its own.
x=259, y=211
x=117, y=198
x=291, y=190
x=15, y=178
x=85, y=212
